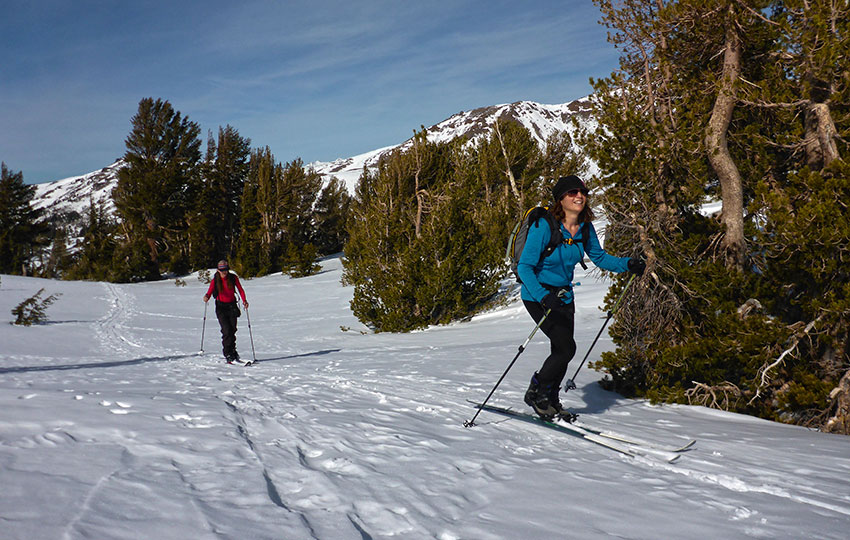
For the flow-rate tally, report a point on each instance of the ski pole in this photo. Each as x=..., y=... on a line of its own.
x=203, y=327
x=251, y=334
x=570, y=383
x=470, y=423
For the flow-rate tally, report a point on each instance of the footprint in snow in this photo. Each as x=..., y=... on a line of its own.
x=123, y=407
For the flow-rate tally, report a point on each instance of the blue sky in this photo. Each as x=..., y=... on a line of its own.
x=319, y=79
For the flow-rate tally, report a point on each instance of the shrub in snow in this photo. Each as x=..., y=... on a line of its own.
x=33, y=310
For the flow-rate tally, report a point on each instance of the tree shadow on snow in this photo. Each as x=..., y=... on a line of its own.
x=89, y=365
x=316, y=353
x=597, y=399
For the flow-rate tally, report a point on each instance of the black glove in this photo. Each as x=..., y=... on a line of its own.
x=552, y=301
x=636, y=266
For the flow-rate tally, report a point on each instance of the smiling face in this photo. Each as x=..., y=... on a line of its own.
x=573, y=201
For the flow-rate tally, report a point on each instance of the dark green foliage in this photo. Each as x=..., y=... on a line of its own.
x=251, y=254
x=59, y=260
x=154, y=193
x=331, y=214
x=277, y=217
x=421, y=249
x=22, y=230
x=768, y=336
x=95, y=257
x=297, y=192
x=300, y=261
x=33, y=310
x=215, y=218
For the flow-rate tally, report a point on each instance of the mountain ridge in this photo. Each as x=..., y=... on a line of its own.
x=72, y=195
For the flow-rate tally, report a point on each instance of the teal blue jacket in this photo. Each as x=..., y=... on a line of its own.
x=558, y=268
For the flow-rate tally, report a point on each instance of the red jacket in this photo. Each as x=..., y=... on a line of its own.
x=227, y=294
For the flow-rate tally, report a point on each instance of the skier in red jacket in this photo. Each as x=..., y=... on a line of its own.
x=223, y=288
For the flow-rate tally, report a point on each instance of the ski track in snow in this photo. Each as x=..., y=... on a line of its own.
x=343, y=435
x=109, y=328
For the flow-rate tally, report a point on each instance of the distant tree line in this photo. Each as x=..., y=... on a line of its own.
x=177, y=209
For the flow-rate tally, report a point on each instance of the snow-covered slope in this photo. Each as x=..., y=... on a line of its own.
x=541, y=121
x=113, y=427
x=73, y=194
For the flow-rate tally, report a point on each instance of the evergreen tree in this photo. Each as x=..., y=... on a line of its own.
x=22, y=230
x=708, y=105
x=250, y=254
x=331, y=215
x=215, y=221
x=153, y=193
x=33, y=310
x=60, y=259
x=297, y=191
x=260, y=247
x=415, y=253
x=511, y=167
x=94, y=260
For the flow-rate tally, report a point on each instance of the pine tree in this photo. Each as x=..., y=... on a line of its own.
x=331, y=215
x=215, y=219
x=416, y=254
x=297, y=191
x=260, y=246
x=60, y=259
x=22, y=230
x=33, y=310
x=153, y=192
x=250, y=253
x=94, y=260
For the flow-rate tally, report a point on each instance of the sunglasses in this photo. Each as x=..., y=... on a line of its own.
x=574, y=192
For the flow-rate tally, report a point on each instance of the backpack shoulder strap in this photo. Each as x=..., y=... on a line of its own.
x=556, y=237
x=585, y=237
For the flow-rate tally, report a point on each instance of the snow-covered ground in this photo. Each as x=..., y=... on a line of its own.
x=113, y=426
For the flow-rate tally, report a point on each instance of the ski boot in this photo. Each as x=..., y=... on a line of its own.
x=538, y=398
x=562, y=413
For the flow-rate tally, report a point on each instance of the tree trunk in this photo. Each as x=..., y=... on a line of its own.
x=840, y=421
x=731, y=190
x=821, y=148
x=508, y=172
x=418, y=219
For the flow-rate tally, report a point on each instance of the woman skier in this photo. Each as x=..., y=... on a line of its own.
x=547, y=286
x=223, y=288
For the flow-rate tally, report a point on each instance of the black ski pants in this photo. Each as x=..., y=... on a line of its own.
x=559, y=327
x=227, y=313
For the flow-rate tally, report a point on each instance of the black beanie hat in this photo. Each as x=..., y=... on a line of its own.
x=565, y=184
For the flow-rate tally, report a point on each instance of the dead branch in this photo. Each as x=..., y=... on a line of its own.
x=764, y=372
x=718, y=396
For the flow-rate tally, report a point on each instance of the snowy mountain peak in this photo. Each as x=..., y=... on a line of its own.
x=73, y=194
x=540, y=119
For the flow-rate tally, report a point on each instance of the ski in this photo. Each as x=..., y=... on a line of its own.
x=628, y=449
x=240, y=363
x=634, y=441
